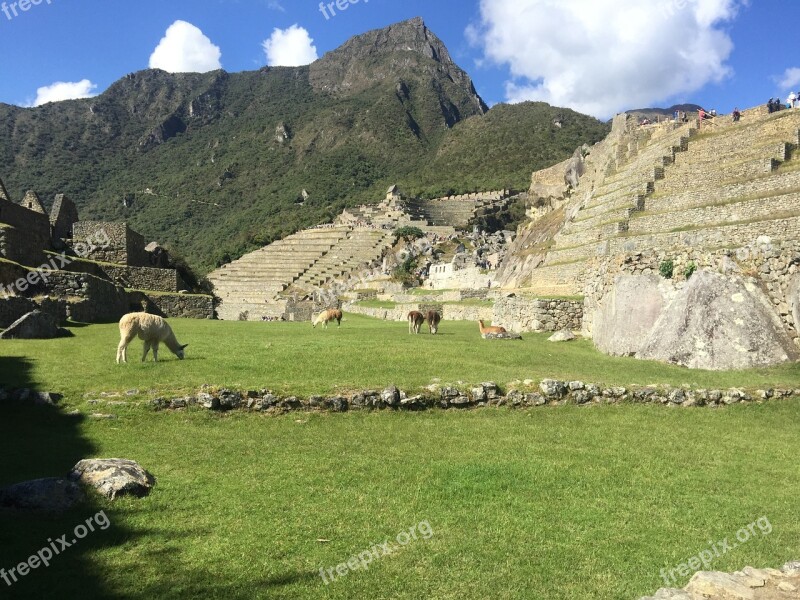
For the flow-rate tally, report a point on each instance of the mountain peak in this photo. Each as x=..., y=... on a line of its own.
x=395, y=54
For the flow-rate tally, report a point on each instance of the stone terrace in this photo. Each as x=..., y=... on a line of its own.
x=455, y=211
x=674, y=187
x=299, y=263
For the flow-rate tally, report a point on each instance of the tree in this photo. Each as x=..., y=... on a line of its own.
x=408, y=234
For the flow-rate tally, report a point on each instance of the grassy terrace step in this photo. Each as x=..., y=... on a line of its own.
x=715, y=213
x=620, y=202
x=561, y=280
x=710, y=180
x=769, y=184
x=592, y=234
x=784, y=123
x=613, y=215
x=722, y=157
x=782, y=227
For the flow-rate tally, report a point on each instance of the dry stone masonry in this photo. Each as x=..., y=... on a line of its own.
x=84, y=270
x=712, y=198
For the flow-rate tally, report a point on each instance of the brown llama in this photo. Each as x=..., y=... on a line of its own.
x=332, y=314
x=434, y=318
x=415, y=319
x=485, y=330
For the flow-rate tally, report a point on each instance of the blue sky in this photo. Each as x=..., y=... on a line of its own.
x=597, y=56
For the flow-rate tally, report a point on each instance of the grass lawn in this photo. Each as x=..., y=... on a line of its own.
x=364, y=353
x=551, y=503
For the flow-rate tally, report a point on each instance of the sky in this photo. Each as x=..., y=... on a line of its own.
x=599, y=57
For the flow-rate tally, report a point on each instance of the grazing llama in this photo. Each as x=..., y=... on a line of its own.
x=150, y=328
x=434, y=318
x=485, y=330
x=328, y=315
x=415, y=319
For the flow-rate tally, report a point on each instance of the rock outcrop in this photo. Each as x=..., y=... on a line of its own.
x=47, y=495
x=719, y=322
x=35, y=325
x=629, y=312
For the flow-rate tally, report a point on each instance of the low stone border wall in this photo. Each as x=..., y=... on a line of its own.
x=450, y=312
x=550, y=392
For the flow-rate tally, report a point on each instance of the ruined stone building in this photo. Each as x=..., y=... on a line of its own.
x=88, y=271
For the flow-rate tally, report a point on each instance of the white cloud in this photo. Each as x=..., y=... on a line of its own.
x=276, y=5
x=790, y=79
x=64, y=90
x=185, y=49
x=603, y=56
x=290, y=47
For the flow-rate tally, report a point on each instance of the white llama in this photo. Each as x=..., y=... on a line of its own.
x=150, y=328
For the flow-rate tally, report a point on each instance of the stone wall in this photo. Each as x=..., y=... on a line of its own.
x=27, y=234
x=184, y=306
x=774, y=266
x=146, y=278
x=89, y=298
x=449, y=312
x=445, y=277
x=549, y=392
x=62, y=216
x=124, y=247
x=538, y=314
x=14, y=307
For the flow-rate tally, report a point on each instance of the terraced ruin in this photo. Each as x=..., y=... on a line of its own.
x=265, y=283
x=634, y=217
x=672, y=188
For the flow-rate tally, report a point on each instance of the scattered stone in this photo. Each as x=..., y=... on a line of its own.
x=113, y=477
x=36, y=325
x=552, y=389
x=48, y=495
x=748, y=584
x=502, y=336
x=565, y=335
x=102, y=417
x=391, y=396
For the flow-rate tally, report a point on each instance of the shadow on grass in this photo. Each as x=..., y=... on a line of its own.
x=39, y=441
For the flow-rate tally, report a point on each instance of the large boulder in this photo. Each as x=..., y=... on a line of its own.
x=113, y=477
x=719, y=322
x=46, y=495
x=35, y=325
x=626, y=315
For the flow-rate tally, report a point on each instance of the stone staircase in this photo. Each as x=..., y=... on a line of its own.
x=675, y=187
x=252, y=283
x=258, y=284
x=359, y=248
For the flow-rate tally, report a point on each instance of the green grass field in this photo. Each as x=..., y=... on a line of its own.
x=551, y=503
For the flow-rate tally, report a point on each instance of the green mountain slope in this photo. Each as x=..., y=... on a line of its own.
x=213, y=164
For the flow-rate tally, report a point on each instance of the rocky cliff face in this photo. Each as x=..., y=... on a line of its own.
x=407, y=50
